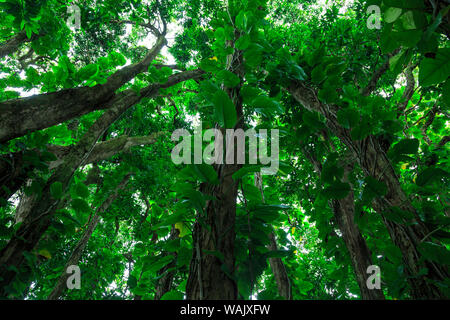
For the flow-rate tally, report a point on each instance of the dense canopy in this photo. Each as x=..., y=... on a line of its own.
x=353, y=95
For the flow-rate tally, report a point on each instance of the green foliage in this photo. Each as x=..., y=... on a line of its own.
x=342, y=148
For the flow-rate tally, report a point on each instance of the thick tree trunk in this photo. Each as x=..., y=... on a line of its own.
x=82, y=243
x=279, y=271
x=105, y=149
x=13, y=175
x=209, y=277
x=276, y=264
x=24, y=115
x=13, y=44
x=360, y=256
x=374, y=162
x=41, y=214
x=14, y=172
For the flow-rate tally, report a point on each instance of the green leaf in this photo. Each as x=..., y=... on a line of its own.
x=430, y=175
x=249, y=93
x=328, y=94
x=225, y=111
x=374, y=188
x=245, y=170
x=154, y=265
x=184, y=257
x=206, y=173
x=220, y=34
x=253, y=55
x=360, y=131
x=266, y=105
x=435, y=252
x=56, y=190
x=243, y=42
x=267, y=213
x=399, y=151
x=132, y=281
x=305, y=286
x=241, y=21
x=88, y=72
x=318, y=74
x=348, y=118
x=228, y=78
x=209, y=65
x=80, y=205
x=435, y=70
x=81, y=190
x=173, y=295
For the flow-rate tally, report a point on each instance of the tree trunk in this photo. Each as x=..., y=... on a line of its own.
x=41, y=214
x=82, y=243
x=374, y=162
x=276, y=264
x=209, y=277
x=13, y=170
x=279, y=271
x=13, y=175
x=344, y=213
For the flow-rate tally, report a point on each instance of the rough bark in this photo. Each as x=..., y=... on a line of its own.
x=360, y=256
x=276, y=264
x=279, y=271
x=13, y=44
x=105, y=149
x=344, y=213
x=41, y=213
x=24, y=206
x=13, y=174
x=82, y=243
x=209, y=277
x=372, y=158
x=14, y=170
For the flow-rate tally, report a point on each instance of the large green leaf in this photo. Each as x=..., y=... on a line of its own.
x=56, y=190
x=224, y=110
x=173, y=295
x=206, y=173
x=338, y=190
x=430, y=175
